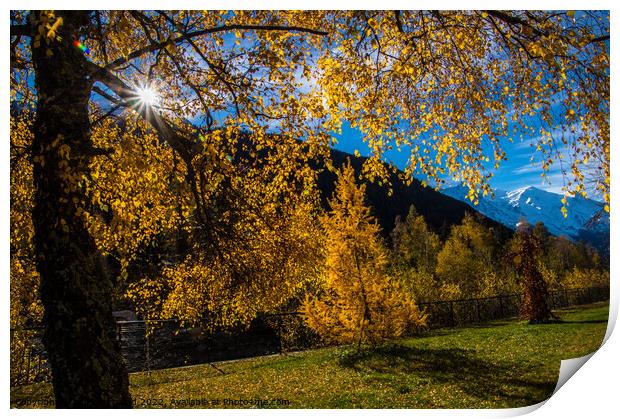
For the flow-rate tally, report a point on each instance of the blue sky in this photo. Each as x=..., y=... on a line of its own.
x=518, y=171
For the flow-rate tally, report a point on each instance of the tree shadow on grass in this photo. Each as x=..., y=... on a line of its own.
x=445, y=331
x=455, y=367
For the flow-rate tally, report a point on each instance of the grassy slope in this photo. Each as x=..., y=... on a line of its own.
x=502, y=364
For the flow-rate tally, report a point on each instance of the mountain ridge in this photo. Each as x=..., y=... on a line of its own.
x=586, y=220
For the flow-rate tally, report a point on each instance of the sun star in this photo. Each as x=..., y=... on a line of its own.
x=147, y=96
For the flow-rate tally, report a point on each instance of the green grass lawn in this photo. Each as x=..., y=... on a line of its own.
x=500, y=364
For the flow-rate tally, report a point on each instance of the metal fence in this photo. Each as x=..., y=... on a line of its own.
x=169, y=344
x=28, y=358
x=456, y=313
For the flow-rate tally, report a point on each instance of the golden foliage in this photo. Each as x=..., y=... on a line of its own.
x=25, y=305
x=136, y=190
x=585, y=278
x=414, y=243
x=453, y=86
x=253, y=238
x=448, y=87
x=257, y=251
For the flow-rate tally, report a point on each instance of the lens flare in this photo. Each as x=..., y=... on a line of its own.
x=81, y=47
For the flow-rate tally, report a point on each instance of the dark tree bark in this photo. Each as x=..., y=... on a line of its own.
x=76, y=289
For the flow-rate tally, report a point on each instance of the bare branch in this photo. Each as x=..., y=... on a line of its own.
x=105, y=95
x=515, y=20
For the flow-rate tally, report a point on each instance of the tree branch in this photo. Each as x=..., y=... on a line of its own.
x=109, y=113
x=599, y=39
x=399, y=23
x=515, y=20
x=225, y=28
x=105, y=95
x=21, y=30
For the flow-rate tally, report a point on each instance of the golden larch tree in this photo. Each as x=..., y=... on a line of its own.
x=359, y=302
x=468, y=260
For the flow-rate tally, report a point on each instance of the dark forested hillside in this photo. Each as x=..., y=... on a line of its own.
x=440, y=211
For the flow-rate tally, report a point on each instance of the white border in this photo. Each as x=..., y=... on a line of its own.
x=592, y=392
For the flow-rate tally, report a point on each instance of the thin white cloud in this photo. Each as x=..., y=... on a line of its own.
x=527, y=169
x=557, y=133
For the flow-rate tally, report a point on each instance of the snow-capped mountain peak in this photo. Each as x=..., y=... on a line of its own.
x=534, y=204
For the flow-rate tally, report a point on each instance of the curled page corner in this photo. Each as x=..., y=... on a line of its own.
x=612, y=316
x=568, y=368
x=520, y=411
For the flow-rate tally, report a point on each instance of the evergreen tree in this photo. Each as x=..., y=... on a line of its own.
x=414, y=244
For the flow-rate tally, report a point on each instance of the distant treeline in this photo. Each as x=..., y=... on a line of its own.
x=475, y=261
